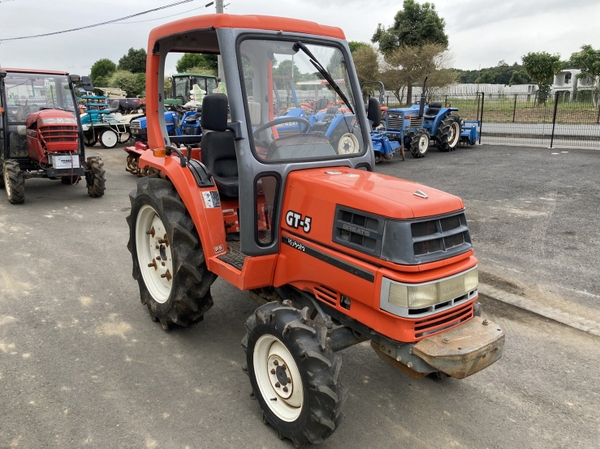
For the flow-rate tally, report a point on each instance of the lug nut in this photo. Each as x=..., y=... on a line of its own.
x=285, y=389
x=276, y=363
x=273, y=371
x=277, y=385
x=288, y=380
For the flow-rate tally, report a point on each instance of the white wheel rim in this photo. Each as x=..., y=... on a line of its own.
x=7, y=182
x=109, y=138
x=348, y=144
x=154, y=254
x=454, y=134
x=276, y=371
x=125, y=137
x=423, y=143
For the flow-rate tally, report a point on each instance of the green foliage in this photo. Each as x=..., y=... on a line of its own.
x=366, y=63
x=542, y=67
x=101, y=70
x=134, y=61
x=354, y=45
x=415, y=25
x=205, y=63
x=588, y=61
x=132, y=83
x=518, y=77
x=486, y=77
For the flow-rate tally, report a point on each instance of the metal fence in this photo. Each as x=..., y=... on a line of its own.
x=519, y=119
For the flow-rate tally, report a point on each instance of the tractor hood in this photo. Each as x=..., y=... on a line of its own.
x=50, y=117
x=378, y=215
x=374, y=193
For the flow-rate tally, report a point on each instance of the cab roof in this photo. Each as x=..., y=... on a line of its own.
x=251, y=22
x=35, y=71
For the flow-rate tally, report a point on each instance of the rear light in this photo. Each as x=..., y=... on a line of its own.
x=159, y=152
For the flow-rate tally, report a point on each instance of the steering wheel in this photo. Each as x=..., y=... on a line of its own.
x=279, y=121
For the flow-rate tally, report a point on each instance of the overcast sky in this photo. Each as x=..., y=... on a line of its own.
x=481, y=32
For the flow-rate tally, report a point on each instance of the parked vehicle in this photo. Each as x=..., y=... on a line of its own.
x=335, y=253
x=41, y=134
x=419, y=125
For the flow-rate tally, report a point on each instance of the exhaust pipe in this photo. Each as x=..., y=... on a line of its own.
x=422, y=103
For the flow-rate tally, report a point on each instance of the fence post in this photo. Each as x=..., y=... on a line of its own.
x=481, y=116
x=515, y=108
x=554, y=118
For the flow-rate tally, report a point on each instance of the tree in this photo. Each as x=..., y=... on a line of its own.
x=203, y=63
x=134, y=61
x=101, y=71
x=354, y=45
x=129, y=82
x=414, y=26
x=366, y=62
x=487, y=77
x=541, y=68
x=588, y=61
x=407, y=65
x=518, y=77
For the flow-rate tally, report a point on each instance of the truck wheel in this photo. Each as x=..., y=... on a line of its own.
x=419, y=143
x=109, y=138
x=294, y=375
x=14, y=182
x=94, y=178
x=345, y=143
x=168, y=261
x=449, y=133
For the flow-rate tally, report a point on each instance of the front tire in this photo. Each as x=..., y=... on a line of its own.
x=95, y=177
x=419, y=143
x=14, y=182
x=168, y=260
x=293, y=373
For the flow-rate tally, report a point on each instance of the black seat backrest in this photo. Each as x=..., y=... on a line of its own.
x=218, y=145
x=433, y=109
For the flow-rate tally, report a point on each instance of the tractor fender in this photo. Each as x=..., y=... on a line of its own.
x=202, y=203
x=438, y=119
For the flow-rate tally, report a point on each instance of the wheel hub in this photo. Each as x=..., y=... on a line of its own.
x=279, y=376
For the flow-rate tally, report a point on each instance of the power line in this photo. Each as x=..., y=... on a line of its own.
x=165, y=17
x=98, y=24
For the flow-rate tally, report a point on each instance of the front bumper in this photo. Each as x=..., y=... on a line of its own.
x=459, y=352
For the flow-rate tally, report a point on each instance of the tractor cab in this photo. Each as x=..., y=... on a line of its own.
x=245, y=146
x=40, y=131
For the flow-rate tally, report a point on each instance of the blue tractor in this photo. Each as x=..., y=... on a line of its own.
x=419, y=125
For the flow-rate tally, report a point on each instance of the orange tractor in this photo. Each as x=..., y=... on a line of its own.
x=335, y=253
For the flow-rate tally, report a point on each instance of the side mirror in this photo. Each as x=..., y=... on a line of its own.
x=374, y=112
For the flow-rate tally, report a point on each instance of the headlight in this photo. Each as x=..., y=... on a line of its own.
x=402, y=299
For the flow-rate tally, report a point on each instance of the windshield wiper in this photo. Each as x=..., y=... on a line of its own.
x=314, y=61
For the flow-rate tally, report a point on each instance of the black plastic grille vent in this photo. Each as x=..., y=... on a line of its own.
x=394, y=120
x=358, y=230
x=440, y=235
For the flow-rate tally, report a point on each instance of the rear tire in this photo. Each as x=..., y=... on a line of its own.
x=89, y=139
x=14, y=182
x=449, y=133
x=95, y=177
x=419, y=143
x=293, y=373
x=168, y=260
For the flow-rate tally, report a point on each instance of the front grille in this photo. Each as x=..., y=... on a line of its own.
x=440, y=235
x=443, y=321
x=394, y=120
x=358, y=230
x=60, y=137
x=135, y=127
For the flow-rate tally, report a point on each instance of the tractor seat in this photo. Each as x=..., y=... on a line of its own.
x=218, y=145
x=433, y=110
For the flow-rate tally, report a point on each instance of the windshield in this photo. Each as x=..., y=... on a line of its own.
x=184, y=85
x=27, y=93
x=300, y=103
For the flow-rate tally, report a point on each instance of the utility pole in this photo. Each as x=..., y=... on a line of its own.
x=219, y=8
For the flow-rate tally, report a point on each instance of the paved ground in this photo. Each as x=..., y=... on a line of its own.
x=82, y=365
